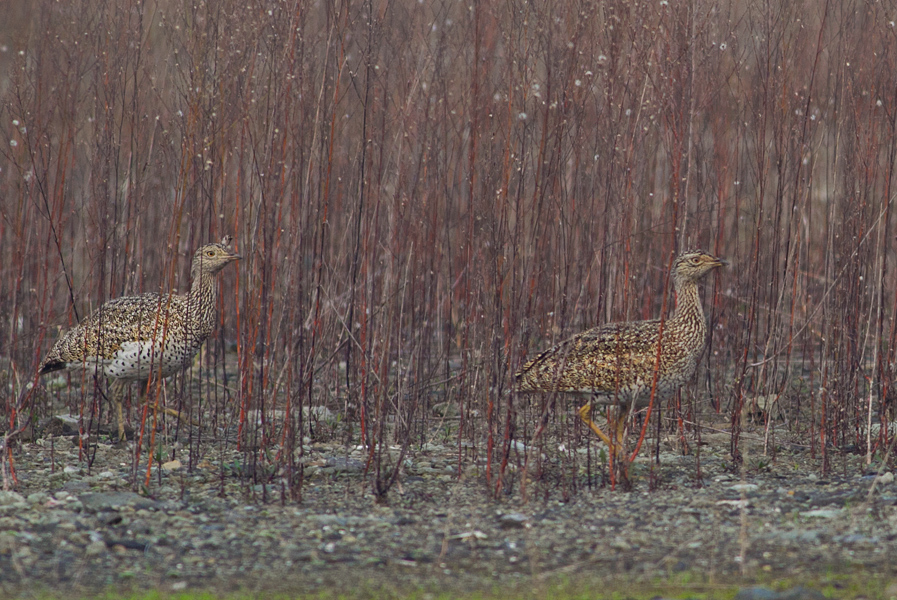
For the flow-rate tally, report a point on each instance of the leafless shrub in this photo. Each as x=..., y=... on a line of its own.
x=425, y=194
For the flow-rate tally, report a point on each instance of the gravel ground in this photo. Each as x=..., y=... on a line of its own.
x=66, y=529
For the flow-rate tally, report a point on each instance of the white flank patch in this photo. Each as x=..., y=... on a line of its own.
x=137, y=360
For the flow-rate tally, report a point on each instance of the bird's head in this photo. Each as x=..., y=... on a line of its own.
x=694, y=264
x=211, y=258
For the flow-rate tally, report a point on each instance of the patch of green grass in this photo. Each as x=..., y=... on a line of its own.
x=693, y=586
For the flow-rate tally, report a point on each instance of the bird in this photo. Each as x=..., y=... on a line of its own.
x=616, y=364
x=134, y=338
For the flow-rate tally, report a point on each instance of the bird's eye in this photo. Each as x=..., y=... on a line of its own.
x=210, y=253
x=696, y=260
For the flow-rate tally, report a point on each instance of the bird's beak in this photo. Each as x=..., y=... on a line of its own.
x=721, y=262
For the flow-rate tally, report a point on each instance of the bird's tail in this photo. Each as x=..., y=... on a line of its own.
x=50, y=365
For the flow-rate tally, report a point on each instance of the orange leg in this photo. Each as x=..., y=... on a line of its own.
x=618, y=422
x=585, y=414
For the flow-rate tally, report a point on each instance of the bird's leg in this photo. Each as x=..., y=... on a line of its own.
x=118, y=389
x=121, y=419
x=617, y=417
x=622, y=419
x=620, y=475
x=585, y=414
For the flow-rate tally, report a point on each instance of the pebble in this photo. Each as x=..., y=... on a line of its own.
x=734, y=503
x=11, y=499
x=762, y=593
x=76, y=485
x=756, y=593
x=801, y=593
x=810, y=537
x=109, y=518
x=513, y=521
x=23, y=552
x=99, y=501
x=37, y=498
x=618, y=543
x=339, y=464
x=8, y=542
x=95, y=548
x=744, y=487
x=856, y=539
x=823, y=513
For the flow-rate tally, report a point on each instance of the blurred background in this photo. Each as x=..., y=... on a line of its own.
x=426, y=193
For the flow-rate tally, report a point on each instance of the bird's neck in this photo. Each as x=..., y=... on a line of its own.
x=202, y=301
x=688, y=304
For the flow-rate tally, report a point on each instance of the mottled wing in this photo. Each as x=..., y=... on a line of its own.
x=602, y=360
x=100, y=336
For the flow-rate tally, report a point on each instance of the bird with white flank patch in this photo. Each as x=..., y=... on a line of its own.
x=133, y=338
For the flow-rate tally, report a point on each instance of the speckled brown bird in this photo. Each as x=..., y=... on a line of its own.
x=614, y=364
x=134, y=337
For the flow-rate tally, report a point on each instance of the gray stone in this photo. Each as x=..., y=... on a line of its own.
x=103, y=501
x=95, y=548
x=108, y=518
x=513, y=521
x=886, y=478
x=756, y=593
x=76, y=485
x=744, y=487
x=339, y=464
x=37, y=498
x=801, y=593
x=823, y=513
x=11, y=499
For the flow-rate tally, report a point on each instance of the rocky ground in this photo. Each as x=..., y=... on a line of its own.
x=68, y=529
